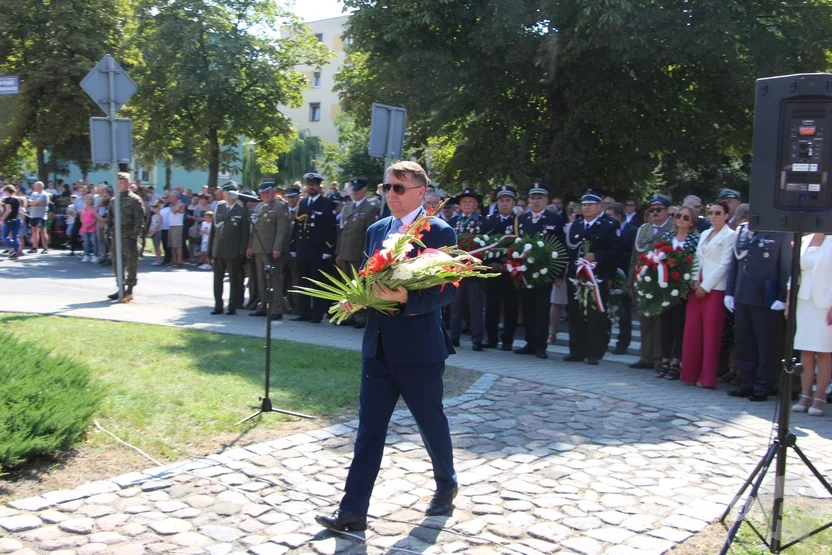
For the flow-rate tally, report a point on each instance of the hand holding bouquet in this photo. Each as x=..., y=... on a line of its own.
x=662, y=278
x=396, y=265
x=535, y=260
x=587, y=285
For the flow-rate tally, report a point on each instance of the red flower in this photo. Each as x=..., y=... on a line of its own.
x=643, y=257
x=689, y=259
x=671, y=262
x=679, y=249
x=378, y=262
x=675, y=275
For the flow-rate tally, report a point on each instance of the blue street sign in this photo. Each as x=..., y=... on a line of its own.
x=10, y=85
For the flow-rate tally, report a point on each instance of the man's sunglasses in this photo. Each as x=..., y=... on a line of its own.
x=683, y=217
x=398, y=188
x=656, y=210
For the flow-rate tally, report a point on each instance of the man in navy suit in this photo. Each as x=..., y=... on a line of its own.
x=627, y=235
x=402, y=355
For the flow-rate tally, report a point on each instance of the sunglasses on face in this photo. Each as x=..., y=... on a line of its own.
x=656, y=210
x=398, y=188
x=717, y=213
x=682, y=217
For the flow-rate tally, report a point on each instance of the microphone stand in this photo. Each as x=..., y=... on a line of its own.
x=265, y=401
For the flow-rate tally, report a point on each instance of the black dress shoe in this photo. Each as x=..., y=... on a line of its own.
x=541, y=353
x=757, y=398
x=619, y=350
x=455, y=342
x=231, y=311
x=318, y=321
x=573, y=358
x=741, y=392
x=216, y=311
x=257, y=314
x=341, y=521
x=525, y=350
x=276, y=317
x=442, y=503
x=301, y=319
x=592, y=361
x=113, y=297
x=642, y=365
x=505, y=347
x=477, y=346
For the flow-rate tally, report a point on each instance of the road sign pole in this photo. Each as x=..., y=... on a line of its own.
x=119, y=261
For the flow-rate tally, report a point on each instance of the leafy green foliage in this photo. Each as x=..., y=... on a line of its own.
x=576, y=93
x=52, y=45
x=210, y=72
x=298, y=160
x=46, y=402
x=350, y=158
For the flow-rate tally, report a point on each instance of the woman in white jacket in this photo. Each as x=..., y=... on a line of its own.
x=705, y=317
x=814, y=321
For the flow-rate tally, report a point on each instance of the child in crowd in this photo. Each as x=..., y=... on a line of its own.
x=204, y=232
x=155, y=232
x=89, y=230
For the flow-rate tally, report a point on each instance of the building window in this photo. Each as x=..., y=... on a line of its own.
x=320, y=37
x=316, y=80
x=314, y=111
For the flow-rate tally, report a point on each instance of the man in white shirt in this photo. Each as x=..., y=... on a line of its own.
x=165, y=214
x=38, y=208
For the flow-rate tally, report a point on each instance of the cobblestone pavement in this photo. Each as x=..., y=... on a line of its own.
x=542, y=469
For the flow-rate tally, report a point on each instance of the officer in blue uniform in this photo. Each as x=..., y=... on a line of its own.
x=314, y=236
x=470, y=293
x=589, y=335
x=535, y=301
x=756, y=292
x=500, y=293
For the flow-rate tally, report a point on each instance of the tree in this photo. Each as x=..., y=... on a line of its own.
x=212, y=72
x=576, y=93
x=52, y=45
x=297, y=160
x=349, y=157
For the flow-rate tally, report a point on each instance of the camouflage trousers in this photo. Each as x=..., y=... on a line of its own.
x=129, y=257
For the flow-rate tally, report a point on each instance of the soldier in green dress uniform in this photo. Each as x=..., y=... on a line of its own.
x=269, y=246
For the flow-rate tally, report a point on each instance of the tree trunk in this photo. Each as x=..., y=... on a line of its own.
x=168, y=175
x=213, y=157
x=43, y=166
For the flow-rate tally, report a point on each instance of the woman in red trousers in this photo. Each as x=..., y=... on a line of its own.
x=705, y=317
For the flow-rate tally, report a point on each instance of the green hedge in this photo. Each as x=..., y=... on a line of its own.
x=46, y=401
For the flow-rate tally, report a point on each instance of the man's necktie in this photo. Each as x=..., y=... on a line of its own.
x=397, y=225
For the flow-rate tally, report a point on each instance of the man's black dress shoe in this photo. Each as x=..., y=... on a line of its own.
x=757, y=398
x=276, y=317
x=573, y=358
x=541, y=353
x=525, y=350
x=231, y=311
x=216, y=311
x=343, y=520
x=477, y=346
x=442, y=503
x=619, y=350
x=455, y=342
x=592, y=361
x=113, y=297
x=505, y=347
x=642, y=365
x=741, y=392
x=300, y=319
x=315, y=321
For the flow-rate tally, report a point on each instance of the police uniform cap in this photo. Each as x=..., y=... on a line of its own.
x=592, y=196
x=230, y=187
x=291, y=191
x=266, y=186
x=358, y=183
x=312, y=176
x=659, y=198
x=248, y=195
x=506, y=191
x=467, y=192
x=538, y=188
x=335, y=196
x=728, y=193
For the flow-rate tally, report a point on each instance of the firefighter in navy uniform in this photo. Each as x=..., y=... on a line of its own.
x=314, y=236
x=589, y=335
x=500, y=292
x=535, y=301
x=470, y=292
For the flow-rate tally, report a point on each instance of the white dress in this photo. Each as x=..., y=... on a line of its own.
x=813, y=333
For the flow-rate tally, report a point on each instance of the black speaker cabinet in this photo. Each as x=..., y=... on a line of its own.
x=792, y=154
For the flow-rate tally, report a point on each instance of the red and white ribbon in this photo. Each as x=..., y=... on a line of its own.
x=585, y=267
x=658, y=259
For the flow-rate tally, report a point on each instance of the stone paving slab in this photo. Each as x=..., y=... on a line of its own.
x=542, y=469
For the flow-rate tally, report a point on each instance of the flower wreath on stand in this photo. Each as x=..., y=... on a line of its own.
x=535, y=260
x=662, y=278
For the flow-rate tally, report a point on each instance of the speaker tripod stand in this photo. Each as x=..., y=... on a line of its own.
x=779, y=449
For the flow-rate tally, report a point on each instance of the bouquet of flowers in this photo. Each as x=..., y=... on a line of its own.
x=587, y=286
x=662, y=278
x=394, y=266
x=535, y=260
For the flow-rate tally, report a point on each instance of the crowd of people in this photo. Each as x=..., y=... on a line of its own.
x=729, y=329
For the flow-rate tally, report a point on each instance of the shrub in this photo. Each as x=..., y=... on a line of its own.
x=46, y=401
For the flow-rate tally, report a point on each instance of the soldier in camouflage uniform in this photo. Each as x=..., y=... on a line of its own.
x=132, y=222
x=268, y=245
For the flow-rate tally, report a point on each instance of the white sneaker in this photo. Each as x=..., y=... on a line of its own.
x=94, y=259
x=85, y=259
x=205, y=267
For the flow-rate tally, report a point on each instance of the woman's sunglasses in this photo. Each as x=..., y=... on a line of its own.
x=398, y=188
x=717, y=213
x=682, y=217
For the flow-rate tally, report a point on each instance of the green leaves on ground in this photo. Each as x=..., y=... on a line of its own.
x=46, y=401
